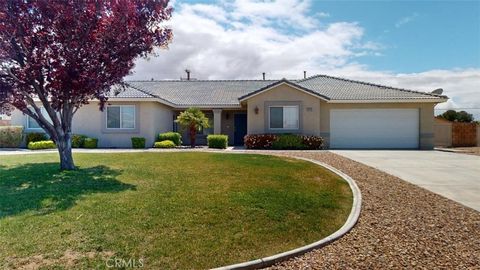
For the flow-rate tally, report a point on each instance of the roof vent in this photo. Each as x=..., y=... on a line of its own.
x=188, y=76
x=438, y=91
x=304, y=74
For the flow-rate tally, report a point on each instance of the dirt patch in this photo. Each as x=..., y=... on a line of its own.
x=68, y=259
x=468, y=150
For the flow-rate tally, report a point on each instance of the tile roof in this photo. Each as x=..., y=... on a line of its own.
x=344, y=89
x=127, y=91
x=183, y=93
x=200, y=92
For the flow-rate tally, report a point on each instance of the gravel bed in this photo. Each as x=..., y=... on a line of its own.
x=401, y=226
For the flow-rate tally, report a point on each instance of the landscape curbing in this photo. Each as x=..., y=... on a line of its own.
x=270, y=260
x=349, y=224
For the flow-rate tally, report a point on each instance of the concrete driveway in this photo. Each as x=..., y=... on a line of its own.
x=452, y=175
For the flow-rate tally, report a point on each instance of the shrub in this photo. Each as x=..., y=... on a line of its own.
x=164, y=144
x=11, y=136
x=288, y=141
x=138, y=142
x=41, y=145
x=283, y=141
x=217, y=141
x=312, y=142
x=90, y=143
x=175, y=137
x=78, y=140
x=36, y=137
x=259, y=141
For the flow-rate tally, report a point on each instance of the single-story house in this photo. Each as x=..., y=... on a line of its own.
x=347, y=113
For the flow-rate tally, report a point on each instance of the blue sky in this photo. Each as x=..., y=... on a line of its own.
x=416, y=36
x=418, y=45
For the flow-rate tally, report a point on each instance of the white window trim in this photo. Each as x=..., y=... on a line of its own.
x=284, y=106
x=121, y=128
x=44, y=113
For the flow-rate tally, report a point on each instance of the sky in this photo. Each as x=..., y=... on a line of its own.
x=418, y=45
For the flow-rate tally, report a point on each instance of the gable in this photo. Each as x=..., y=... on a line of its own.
x=278, y=87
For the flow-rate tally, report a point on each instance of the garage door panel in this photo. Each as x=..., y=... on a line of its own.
x=374, y=128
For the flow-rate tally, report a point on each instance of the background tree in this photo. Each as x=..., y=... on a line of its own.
x=59, y=54
x=194, y=120
x=461, y=116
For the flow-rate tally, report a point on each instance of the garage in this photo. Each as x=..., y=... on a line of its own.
x=374, y=128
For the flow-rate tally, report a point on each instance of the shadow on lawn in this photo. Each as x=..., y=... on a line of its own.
x=42, y=188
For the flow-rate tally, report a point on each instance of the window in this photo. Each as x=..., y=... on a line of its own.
x=32, y=124
x=121, y=117
x=284, y=117
x=209, y=130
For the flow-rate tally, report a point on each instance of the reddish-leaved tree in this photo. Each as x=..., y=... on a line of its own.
x=59, y=54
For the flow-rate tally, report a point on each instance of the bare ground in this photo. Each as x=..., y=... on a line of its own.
x=401, y=226
x=469, y=150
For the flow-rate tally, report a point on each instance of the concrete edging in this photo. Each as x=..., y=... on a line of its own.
x=271, y=260
x=349, y=224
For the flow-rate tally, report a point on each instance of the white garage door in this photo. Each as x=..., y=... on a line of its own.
x=374, y=128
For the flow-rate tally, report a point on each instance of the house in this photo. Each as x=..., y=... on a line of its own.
x=347, y=113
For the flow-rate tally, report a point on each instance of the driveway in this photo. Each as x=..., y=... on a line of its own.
x=452, y=175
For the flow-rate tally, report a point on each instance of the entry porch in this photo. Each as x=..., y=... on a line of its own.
x=222, y=121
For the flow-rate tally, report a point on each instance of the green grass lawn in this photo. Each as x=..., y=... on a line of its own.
x=169, y=210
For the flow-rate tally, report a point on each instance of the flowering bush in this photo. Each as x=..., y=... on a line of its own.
x=312, y=142
x=283, y=141
x=259, y=141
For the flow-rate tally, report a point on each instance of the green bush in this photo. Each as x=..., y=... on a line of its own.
x=90, y=143
x=11, y=136
x=288, y=141
x=164, y=144
x=78, y=140
x=138, y=142
x=35, y=137
x=217, y=141
x=175, y=137
x=41, y=145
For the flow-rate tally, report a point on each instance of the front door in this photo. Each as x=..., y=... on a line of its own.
x=240, y=128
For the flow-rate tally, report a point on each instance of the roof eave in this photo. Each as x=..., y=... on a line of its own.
x=404, y=100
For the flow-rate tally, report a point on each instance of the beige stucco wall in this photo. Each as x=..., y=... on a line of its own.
x=426, y=117
x=442, y=131
x=315, y=113
x=283, y=95
x=151, y=119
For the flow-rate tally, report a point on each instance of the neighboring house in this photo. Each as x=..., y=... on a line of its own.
x=347, y=113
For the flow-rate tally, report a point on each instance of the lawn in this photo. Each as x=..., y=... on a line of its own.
x=163, y=210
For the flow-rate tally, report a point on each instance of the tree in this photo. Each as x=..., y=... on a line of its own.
x=57, y=55
x=194, y=120
x=454, y=116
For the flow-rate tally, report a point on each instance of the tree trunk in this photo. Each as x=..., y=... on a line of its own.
x=64, y=145
x=193, y=133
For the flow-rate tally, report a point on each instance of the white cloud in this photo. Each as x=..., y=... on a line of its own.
x=241, y=39
x=406, y=20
